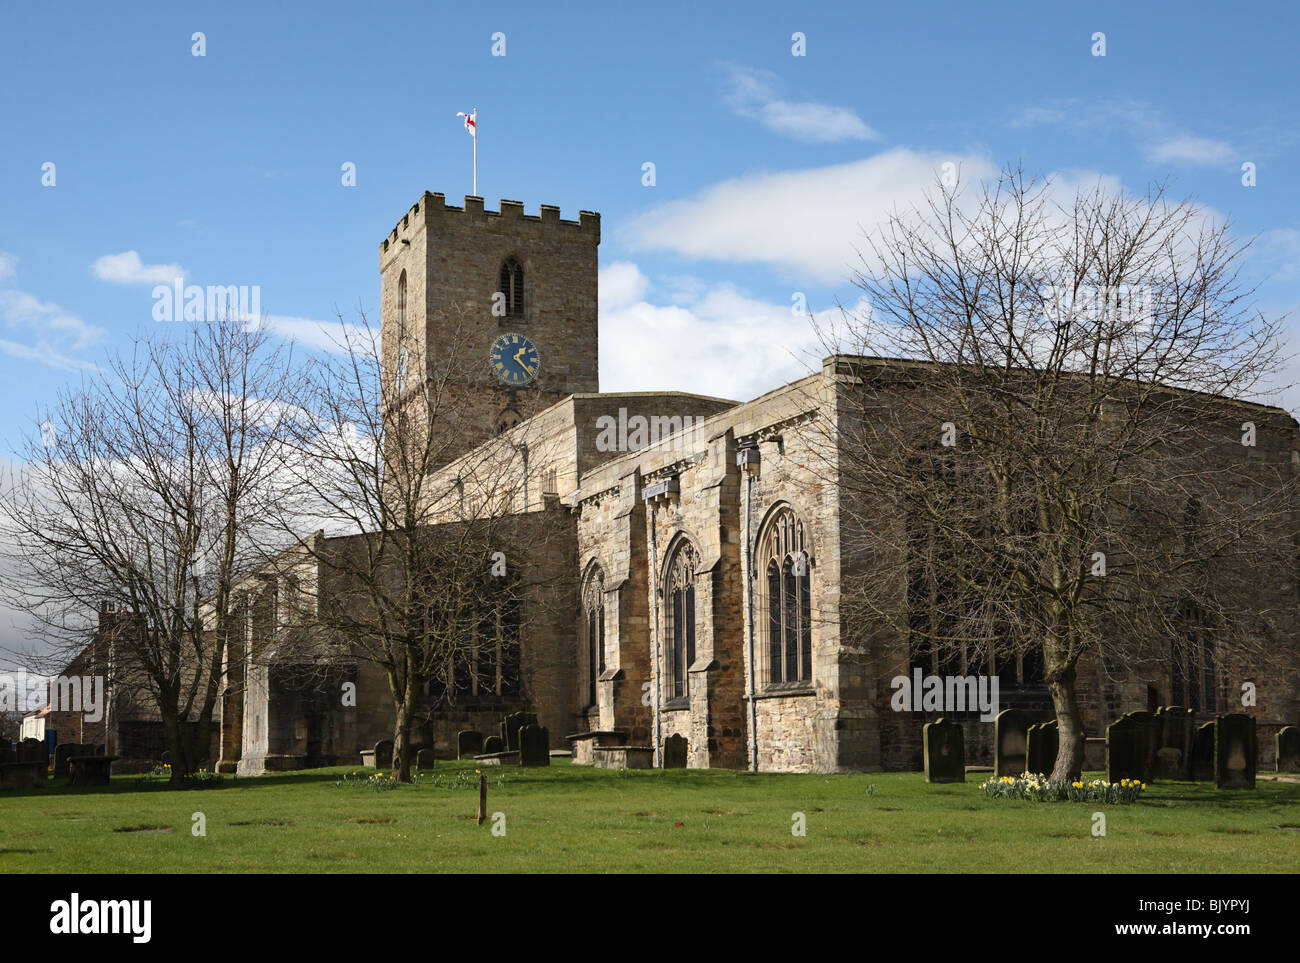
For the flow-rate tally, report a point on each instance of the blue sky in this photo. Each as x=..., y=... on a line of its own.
x=227, y=166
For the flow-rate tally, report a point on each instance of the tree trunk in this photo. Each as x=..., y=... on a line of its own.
x=402, y=743
x=178, y=745
x=1069, y=757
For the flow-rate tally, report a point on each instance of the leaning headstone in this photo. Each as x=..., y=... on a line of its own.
x=1178, y=731
x=1203, y=753
x=1235, y=752
x=945, y=751
x=424, y=759
x=676, y=749
x=469, y=743
x=1042, y=744
x=1287, y=742
x=384, y=754
x=493, y=744
x=511, y=726
x=1126, y=749
x=1009, y=742
x=534, y=746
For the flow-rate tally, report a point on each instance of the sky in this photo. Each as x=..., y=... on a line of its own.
x=778, y=134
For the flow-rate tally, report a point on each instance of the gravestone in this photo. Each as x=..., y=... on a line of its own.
x=61, y=753
x=1287, y=741
x=384, y=754
x=1178, y=731
x=1127, y=740
x=676, y=750
x=493, y=744
x=511, y=726
x=1042, y=743
x=1169, y=763
x=1203, y=753
x=1235, y=752
x=534, y=746
x=1149, y=726
x=469, y=743
x=32, y=750
x=945, y=751
x=424, y=759
x=1009, y=742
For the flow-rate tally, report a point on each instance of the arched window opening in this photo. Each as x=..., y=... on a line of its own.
x=1194, y=675
x=401, y=333
x=593, y=604
x=507, y=419
x=679, y=594
x=788, y=585
x=510, y=284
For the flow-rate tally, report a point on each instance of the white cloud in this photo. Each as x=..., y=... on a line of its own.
x=1160, y=141
x=21, y=310
x=317, y=335
x=724, y=343
x=7, y=266
x=1190, y=150
x=44, y=353
x=807, y=222
x=127, y=268
x=621, y=284
x=752, y=94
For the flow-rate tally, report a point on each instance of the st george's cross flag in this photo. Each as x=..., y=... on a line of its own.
x=471, y=121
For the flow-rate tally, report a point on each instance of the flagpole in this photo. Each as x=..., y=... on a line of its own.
x=476, y=152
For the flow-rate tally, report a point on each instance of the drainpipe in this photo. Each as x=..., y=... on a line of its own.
x=747, y=459
x=654, y=638
x=747, y=574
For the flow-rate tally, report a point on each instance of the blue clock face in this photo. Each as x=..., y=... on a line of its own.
x=514, y=359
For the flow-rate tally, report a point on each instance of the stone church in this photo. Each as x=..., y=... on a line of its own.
x=698, y=572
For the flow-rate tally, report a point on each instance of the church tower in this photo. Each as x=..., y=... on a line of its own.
x=470, y=291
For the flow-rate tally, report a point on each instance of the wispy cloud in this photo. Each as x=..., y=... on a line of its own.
x=808, y=223
x=56, y=331
x=127, y=268
x=1160, y=140
x=753, y=94
x=1188, y=149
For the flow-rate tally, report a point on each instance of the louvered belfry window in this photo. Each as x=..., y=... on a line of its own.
x=511, y=286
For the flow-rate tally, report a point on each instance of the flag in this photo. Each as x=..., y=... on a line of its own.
x=471, y=121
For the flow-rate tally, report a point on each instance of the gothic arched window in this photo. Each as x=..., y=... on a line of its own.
x=511, y=286
x=787, y=603
x=593, y=608
x=679, y=619
x=507, y=419
x=1194, y=675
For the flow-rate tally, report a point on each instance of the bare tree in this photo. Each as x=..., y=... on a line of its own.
x=145, y=488
x=433, y=516
x=1058, y=436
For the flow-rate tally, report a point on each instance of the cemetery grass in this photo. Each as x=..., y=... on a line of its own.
x=566, y=818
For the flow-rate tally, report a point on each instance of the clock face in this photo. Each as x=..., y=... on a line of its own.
x=514, y=359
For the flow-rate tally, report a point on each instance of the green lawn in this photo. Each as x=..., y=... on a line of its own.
x=568, y=818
